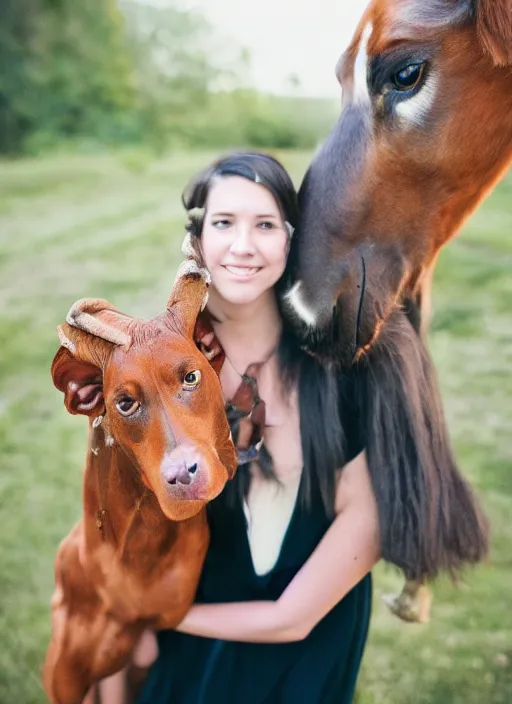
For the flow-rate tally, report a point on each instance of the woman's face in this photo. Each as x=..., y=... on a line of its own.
x=244, y=239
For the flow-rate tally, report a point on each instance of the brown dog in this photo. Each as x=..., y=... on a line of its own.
x=159, y=449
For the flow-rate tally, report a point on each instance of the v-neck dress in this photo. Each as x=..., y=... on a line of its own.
x=321, y=669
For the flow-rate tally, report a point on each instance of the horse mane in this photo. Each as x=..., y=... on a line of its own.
x=430, y=518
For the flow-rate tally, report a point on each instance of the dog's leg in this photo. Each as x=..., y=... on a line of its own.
x=88, y=643
x=75, y=606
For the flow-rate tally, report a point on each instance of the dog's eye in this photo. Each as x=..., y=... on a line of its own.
x=409, y=77
x=127, y=405
x=191, y=379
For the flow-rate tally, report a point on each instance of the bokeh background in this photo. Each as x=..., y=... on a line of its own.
x=106, y=109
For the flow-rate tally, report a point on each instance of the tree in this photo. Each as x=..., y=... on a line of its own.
x=64, y=69
x=16, y=31
x=174, y=71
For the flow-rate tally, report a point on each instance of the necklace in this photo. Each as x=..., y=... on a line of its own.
x=246, y=412
x=256, y=366
x=253, y=369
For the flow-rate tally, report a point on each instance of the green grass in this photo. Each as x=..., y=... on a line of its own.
x=111, y=226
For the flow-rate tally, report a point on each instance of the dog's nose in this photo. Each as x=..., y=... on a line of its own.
x=180, y=466
x=179, y=473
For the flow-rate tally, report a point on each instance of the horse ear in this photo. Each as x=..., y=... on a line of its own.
x=494, y=27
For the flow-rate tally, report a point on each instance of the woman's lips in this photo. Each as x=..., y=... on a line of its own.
x=242, y=272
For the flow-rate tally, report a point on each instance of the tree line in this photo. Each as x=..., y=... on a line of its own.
x=119, y=71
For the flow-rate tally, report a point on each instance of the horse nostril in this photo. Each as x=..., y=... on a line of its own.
x=192, y=469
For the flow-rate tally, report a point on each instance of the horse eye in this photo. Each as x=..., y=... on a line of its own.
x=192, y=379
x=127, y=405
x=408, y=77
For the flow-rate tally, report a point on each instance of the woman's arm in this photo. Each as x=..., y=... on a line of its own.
x=346, y=553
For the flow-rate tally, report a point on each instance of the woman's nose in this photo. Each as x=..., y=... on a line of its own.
x=242, y=243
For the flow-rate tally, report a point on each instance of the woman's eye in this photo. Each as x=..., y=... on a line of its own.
x=192, y=379
x=408, y=77
x=127, y=405
x=221, y=224
x=266, y=225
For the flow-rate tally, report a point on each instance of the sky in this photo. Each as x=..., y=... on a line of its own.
x=301, y=37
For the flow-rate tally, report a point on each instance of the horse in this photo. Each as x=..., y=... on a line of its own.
x=424, y=134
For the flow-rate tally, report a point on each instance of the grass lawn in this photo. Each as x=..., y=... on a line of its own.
x=75, y=226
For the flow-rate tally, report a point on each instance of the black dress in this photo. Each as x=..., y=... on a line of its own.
x=320, y=669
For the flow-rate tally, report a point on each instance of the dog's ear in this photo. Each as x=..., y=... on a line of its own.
x=189, y=295
x=93, y=328
x=80, y=382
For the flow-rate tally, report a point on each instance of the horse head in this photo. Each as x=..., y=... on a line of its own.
x=424, y=134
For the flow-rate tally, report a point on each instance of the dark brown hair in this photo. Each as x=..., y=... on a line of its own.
x=430, y=518
x=253, y=166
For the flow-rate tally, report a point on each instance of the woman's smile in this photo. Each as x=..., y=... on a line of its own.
x=241, y=271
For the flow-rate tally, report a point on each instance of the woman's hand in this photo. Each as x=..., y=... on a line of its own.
x=346, y=553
